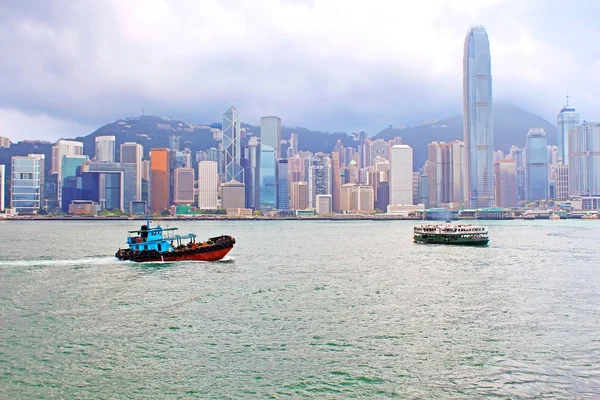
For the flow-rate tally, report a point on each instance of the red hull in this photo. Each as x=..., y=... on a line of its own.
x=208, y=256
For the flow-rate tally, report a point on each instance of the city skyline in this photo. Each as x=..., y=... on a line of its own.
x=61, y=52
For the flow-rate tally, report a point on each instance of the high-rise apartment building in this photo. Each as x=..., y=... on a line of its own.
x=536, y=171
x=506, y=183
x=567, y=119
x=232, y=146
x=584, y=160
x=184, y=186
x=105, y=149
x=131, y=153
x=400, y=179
x=208, y=181
x=283, y=185
x=160, y=180
x=478, y=120
x=27, y=183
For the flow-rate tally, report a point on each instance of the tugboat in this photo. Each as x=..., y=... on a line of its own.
x=164, y=244
x=466, y=235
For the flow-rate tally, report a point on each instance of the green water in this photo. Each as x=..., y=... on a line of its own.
x=301, y=310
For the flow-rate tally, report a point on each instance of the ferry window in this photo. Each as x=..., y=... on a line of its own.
x=159, y=247
x=145, y=247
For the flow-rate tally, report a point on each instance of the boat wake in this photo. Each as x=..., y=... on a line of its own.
x=49, y=263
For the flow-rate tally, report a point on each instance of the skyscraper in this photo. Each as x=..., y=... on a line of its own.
x=478, y=120
x=207, y=185
x=445, y=172
x=105, y=149
x=567, y=119
x=131, y=153
x=283, y=185
x=336, y=180
x=252, y=173
x=536, y=171
x=401, y=161
x=584, y=160
x=159, y=180
x=231, y=146
x=270, y=152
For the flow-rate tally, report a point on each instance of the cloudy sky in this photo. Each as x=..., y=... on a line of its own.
x=68, y=67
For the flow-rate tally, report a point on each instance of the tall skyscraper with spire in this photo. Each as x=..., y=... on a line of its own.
x=567, y=119
x=478, y=119
x=231, y=146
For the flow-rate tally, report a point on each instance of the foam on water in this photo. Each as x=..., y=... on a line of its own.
x=47, y=263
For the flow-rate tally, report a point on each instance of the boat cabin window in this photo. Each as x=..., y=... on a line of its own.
x=159, y=247
x=145, y=247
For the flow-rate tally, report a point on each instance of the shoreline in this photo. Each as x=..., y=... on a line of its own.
x=238, y=218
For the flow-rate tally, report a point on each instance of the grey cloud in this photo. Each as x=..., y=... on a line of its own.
x=76, y=60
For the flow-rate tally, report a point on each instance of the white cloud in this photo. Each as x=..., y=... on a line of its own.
x=335, y=64
x=18, y=125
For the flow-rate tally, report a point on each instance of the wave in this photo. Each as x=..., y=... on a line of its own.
x=46, y=262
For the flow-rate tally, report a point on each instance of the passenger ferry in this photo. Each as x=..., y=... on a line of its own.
x=462, y=234
x=164, y=244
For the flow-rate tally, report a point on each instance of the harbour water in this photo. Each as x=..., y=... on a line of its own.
x=301, y=309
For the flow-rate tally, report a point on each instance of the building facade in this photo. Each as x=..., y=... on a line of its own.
x=208, y=182
x=567, y=119
x=283, y=185
x=506, y=183
x=324, y=204
x=105, y=149
x=252, y=173
x=299, y=195
x=27, y=183
x=233, y=195
x=536, y=171
x=232, y=146
x=184, y=186
x=319, y=177
x=270, y=152
x=132, y=153
x=478, y=120
x=400, y=179
x=584, y=160
x=159, y=183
